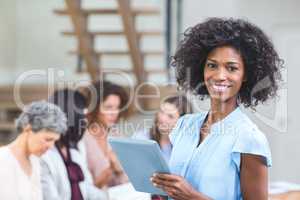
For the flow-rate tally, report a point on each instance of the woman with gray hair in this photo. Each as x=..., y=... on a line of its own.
x=39, y=126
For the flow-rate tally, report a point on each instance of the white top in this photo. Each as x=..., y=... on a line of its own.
x=55, y=181
x=15, y=184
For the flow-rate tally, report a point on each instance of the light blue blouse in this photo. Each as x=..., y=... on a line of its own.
x=213, y=168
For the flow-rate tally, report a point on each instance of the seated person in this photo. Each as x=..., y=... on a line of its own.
x=65, y=174
x=107, y=105
x=169, y=112
x=39, y=126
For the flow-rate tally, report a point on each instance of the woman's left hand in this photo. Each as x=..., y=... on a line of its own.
x=175, y=186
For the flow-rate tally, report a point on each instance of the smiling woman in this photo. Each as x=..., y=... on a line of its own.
x=224, y=73
x=39, y=126
x=234, y=63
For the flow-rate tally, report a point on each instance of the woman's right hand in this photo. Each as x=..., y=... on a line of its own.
x=176, y=187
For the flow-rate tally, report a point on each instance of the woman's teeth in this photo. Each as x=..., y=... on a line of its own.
x=220, y=88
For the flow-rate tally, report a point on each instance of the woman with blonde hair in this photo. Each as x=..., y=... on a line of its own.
x=171, y=109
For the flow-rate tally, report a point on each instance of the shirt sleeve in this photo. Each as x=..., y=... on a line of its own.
x=251, y=141
x=48, y=184
x=174, y=135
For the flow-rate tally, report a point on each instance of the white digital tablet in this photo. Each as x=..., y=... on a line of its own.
x=140, y=159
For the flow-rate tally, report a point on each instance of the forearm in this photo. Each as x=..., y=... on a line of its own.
x=101, y=181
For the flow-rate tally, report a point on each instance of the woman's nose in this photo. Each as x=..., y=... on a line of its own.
x=221, y=74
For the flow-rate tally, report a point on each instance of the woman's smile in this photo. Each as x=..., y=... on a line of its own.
x=220, y=87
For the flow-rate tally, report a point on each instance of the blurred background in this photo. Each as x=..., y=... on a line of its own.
x=55, y=43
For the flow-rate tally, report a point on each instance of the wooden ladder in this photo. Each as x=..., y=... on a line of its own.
x=86, y=38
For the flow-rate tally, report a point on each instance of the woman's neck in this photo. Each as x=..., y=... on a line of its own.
x=19, y=147
x=164, y=140
x=101, y=136
x=219, y=110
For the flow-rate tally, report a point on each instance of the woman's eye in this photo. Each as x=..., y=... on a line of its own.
x=108, y=107
x=48, y=140
x=211, y=65
x=232, y=68
x=171, y=116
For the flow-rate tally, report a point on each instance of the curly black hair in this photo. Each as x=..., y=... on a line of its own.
x=262, y=63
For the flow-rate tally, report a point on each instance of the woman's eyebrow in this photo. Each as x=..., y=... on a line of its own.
x=233, y=62
x=229, y=62
x=212, y=60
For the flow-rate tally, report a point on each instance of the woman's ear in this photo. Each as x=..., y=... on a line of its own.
x=27, y=128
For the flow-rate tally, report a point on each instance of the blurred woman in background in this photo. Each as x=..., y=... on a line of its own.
x=64, y=167
x=106, y=101
x=39, y=126
x=169, y=112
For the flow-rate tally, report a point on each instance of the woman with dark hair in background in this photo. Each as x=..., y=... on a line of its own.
x=107, y=103
x=65, y=174
x=221, y=154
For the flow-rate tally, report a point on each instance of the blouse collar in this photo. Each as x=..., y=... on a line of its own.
x=227, y=124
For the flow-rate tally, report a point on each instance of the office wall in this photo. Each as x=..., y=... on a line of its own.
x=7, y=39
